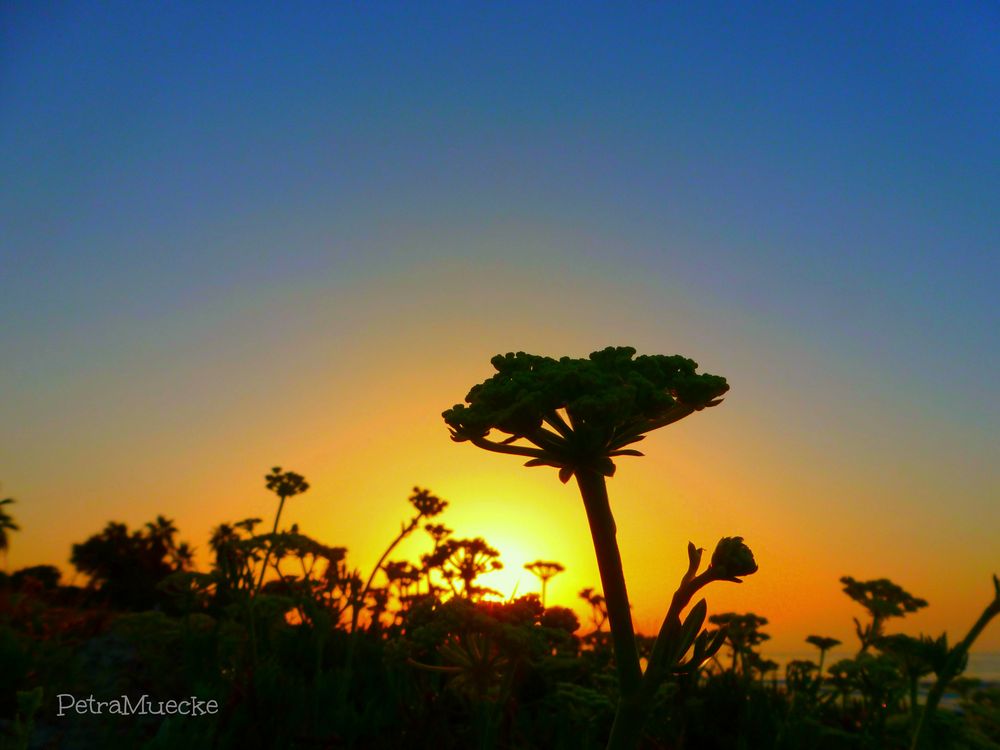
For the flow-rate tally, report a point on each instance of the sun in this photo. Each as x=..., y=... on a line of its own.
x=525, y=518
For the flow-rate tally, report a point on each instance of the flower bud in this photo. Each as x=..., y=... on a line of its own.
x=732, y=558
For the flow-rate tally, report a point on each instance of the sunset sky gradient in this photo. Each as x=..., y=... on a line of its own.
x=234, y=236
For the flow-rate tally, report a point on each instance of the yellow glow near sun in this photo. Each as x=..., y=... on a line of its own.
x=526, y=516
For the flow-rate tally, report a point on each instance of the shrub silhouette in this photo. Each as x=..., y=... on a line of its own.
x=128, y=566
x=45, y=576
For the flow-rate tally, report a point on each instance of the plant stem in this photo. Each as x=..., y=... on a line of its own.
x=404, y=532
x=609, y=563
x=952, y=666
x=267, y=553
x=359, y=603
x=632, y=708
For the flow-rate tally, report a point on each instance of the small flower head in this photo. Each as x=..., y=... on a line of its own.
x=427, y=505
x=286, y=483
x=733, y=559
x=822, y=643
x=544, y=569
x=438, y=531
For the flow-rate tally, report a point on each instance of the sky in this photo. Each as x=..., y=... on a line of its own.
x=240, y=236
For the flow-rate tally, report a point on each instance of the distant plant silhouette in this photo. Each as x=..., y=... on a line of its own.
x=544, y=571
x=824, y=645
x=744, y=635
x=427, y=506
x=465, y=560
x=883, y=599
x=45, y=576
x=598, y=611
x=7, y=525
x=284, y=484
x=915, y=658
x=128, y=566
x=577, y=415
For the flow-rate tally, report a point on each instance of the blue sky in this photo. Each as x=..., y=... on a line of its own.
x=838, y=164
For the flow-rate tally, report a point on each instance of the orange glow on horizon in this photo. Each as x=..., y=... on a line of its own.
x=359, y=417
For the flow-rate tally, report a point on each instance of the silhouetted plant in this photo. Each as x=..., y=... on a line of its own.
x=954, y=663
x=544, y=570
x=427, y=506
x=127, y=567
x=801, y=677
x=45, y=576
x=465, y=560
x=598, y=608
x=883, y=599
x=577, y=415
x=234, y=567
x=915, y=658
x=764, y=667
x=824, y=645
x=284, y=484
x=843, y=678
x=438, y=533
x=560, y=618
x=743, y=633
x=403, y=578
x=7, y=525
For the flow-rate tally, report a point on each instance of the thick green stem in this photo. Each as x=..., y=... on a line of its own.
x=632, y=706
x=630, y=718
x=609, y=563
x=633, y=710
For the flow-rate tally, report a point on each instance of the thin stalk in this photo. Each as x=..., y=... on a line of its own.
x=359, y=603
x=267, y=552
x=404, y=532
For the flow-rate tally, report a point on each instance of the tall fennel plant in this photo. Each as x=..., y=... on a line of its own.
x=578, y=415
x=284, y=484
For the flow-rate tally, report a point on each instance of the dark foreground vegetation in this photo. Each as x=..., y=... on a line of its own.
x=295, y=648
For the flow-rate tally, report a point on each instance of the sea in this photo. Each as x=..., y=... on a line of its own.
x=984, y=665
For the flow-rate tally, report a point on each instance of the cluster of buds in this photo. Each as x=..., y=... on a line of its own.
x=427, y=505
x=287, y=483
